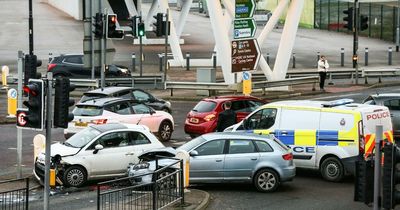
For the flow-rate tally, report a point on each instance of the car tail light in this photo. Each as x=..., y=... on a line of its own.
x=361, y=140
x=209, y=117
x=288, y=156
x=51, y=66
x=99, y=121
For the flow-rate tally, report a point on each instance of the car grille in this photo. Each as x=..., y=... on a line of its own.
x=40, y=170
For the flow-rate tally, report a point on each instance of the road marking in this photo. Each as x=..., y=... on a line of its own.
x=12, y=148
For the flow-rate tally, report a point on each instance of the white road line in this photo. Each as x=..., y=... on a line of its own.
x=12, y=148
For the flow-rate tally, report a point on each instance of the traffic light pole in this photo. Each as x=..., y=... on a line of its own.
x=377, y=166
x=19, y=103
x=49, y=117
x=398, y=27
x=30, y=28
x=355, y=37
x=166, y=45
x=103, y=52
x=141, y=49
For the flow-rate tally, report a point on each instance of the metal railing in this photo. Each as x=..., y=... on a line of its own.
x=199, y=86
x=14, y=196
x=379, y=73
x=164, y=189
x=286, y=82
x=130, y=81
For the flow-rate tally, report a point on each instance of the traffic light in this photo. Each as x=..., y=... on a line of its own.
x=364, y=183
x=98, y=25
x=33, y=116
x=112, y=31
x=31, y=64
x=348, y=19
x=62, y=102
x=363, y=22
x=391, y=176
x=134, y=26
x=164, y=28
x=141, y=31
x=158, y=25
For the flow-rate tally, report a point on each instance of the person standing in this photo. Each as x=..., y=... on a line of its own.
x=226, y=118
x=323, y=67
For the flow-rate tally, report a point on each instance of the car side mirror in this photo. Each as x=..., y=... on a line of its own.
x=193, y=153
x=151, y=111
x=97, y=148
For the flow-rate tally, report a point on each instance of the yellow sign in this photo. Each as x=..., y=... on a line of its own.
x=12, y=102
x=247, y=87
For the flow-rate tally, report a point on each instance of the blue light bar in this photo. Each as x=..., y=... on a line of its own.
x=338, y=102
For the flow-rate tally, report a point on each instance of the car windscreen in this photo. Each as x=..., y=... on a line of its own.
x=82, y=138
x=191, y=144
x=87, y=110
x=205, y=106
x=90, y=96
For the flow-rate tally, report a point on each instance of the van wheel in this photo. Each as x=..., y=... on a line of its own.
x=266, y=180
x=332, y=169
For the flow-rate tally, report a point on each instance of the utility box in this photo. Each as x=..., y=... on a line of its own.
x=205, y=75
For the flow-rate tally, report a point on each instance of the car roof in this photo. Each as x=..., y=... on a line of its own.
x=109, y=90
x=320, y=105
x=235, y=135
x=102, y=101
x=386, y=95
x=117, y=126
x=230, y=98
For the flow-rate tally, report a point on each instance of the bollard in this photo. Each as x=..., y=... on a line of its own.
x=50, y=57
x=330, y=79
x=187, y=61
x=133, y=62
x=214, y=55
x=268, y=58
x=318, y=56
x=390, y=56
x=341, y=57
x=4, y=74
x=160, y=57
x=12, y=103
x=366, y=56
x=294, y=60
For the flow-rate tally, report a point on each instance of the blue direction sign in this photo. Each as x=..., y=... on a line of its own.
x=244, y=8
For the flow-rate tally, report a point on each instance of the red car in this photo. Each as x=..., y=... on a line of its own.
x=203, y=117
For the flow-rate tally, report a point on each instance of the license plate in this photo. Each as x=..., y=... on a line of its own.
x=81, y=124
x=194, y=120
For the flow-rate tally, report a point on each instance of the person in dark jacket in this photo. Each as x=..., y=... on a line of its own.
x=226, y=118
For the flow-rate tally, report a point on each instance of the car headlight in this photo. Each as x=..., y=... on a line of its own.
x=141, y=166
x=168, y=103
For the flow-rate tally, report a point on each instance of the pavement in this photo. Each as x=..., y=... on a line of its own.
x=51, y=26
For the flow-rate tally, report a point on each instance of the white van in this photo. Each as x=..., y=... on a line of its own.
x=329, y=136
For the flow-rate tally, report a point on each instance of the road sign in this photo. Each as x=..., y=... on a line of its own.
x=246, y=83
x=244, y=8
x=244, y=28
x=246, y=75
x=245, y=55
x=21, y=114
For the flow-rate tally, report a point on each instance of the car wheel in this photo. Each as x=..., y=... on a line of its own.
x=332, y=169
x=169, y=181
x=75, y=176
x=165, y=131
x=266, y=180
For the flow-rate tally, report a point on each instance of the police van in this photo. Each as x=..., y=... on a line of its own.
x=327, y=136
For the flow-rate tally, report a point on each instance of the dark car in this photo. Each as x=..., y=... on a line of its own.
x=131, y=93
x=204, y=116
x=71, y=65
x=391, y=101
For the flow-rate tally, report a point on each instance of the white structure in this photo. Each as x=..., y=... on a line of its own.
x=221, y=23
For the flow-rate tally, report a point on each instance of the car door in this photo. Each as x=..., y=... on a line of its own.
x=146, y=98
x=74, y=64
x=113, y=158
x=145, y=116
x=240, y=160
x=120, y=112
x=394, y=107
x=208, y=165
x=138, y=143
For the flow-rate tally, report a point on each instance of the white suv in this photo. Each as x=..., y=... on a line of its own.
x=97, y=152
x=118, y=110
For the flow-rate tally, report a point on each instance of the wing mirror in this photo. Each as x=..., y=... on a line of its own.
x=97, y=148
x=194, y=153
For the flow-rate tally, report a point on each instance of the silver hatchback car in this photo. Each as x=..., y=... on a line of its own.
x=231, y=157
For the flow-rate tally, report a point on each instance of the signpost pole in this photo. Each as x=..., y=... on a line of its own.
x=49, y=117
x=19, y=105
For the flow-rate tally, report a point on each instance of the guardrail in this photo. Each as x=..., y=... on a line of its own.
x=286, y=82
x=130, y=81
x=379, y=73
x=199, y=86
